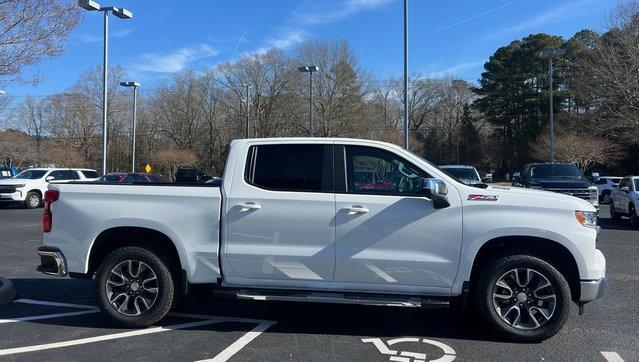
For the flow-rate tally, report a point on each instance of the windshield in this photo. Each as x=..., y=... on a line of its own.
x=462, y=173
x=30, y=174
x=555, y=171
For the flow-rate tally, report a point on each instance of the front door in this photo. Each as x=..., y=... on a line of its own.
x=279, y=219
x=388, y=236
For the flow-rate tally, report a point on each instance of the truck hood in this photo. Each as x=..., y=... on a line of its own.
x=561, y=183
x=523, y=197
x=12, y=181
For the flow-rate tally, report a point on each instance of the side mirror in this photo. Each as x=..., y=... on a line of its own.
x=49, y=178
x=625, y=189
x=436, y=190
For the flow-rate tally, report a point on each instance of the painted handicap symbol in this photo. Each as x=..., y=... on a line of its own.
x=407, y=356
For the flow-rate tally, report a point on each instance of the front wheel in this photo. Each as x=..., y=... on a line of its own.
x=634, y=220
x=522, y=298
x=134, y=287
x=33, y=200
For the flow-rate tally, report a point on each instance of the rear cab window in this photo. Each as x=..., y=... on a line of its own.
x=89, y=174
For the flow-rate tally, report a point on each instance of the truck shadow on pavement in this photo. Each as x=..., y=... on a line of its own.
x=292, y=318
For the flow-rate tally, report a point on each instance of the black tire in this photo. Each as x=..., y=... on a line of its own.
x=613, y=214
x=165, y=285
x=482, y=295
x=634, y=220
x=33, y=200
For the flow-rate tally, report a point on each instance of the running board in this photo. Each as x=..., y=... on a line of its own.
x=342, y=298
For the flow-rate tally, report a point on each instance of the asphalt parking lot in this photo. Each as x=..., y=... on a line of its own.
x=55, y=319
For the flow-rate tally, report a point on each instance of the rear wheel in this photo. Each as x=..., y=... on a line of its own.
x=522, y=298
x=33, y=200
x=134, y=287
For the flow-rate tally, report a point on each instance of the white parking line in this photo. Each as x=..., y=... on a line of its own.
x=107, y=337
x=612, y=356
x=231, y=350
x=54, y=304
x=48, y=316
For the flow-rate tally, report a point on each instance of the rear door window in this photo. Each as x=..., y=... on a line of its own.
x=291, y=167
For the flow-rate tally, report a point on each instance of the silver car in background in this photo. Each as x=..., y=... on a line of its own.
x=467, y=174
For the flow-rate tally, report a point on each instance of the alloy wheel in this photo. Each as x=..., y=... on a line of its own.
x=132, y=287
x=34, y=201
x=524, y=298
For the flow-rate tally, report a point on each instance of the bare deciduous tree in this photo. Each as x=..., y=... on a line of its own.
x=583, y=150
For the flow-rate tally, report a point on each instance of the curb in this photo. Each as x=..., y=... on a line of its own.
x=7, y=292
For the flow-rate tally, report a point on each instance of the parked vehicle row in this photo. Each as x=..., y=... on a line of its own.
x=28, y=187
x=605, y=186
x=305, y=219
x=131, y=177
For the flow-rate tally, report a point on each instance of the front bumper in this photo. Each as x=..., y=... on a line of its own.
x=592, y=289
x=15, y=196
x=52, y=261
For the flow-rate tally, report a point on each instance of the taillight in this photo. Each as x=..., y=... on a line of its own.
x=47, y=218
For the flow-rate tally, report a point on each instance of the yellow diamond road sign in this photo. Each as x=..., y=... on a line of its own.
x=148, y=168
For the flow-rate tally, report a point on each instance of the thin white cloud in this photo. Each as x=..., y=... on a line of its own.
x=455, y=69
x=175, y=61
x=316, y=14
x=288, y=38
x=96, y=38
x=551, y=16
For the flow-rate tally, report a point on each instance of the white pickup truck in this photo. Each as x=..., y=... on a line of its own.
x=295, y=220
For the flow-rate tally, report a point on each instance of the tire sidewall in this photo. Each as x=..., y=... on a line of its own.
x=634, y=221
x=166, y=287
x=491, y=275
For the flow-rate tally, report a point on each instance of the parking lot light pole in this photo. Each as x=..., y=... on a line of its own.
x=135, y=86
x=550, y=53
x=247, y=86
x=121, y=13
x=310, y=69
x=406, y=74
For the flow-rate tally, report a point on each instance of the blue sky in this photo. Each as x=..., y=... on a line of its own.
x=446, y=37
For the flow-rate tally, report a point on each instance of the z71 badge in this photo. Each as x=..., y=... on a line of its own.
x=477, y=197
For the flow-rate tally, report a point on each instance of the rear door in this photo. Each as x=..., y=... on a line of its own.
x=388, y=236
x=280, y=217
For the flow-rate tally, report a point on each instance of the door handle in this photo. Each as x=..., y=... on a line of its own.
x=357, y=209
x=249, y=206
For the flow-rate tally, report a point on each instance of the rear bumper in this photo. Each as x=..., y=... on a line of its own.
x=592, y=289
x=52, y=261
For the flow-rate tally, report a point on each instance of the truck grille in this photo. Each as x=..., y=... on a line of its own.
x=7, y=189
x=580, y=193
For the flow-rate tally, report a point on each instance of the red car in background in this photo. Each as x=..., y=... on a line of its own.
x=366, y=179
x=130, y=177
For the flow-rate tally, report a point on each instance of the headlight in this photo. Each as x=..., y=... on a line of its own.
x=586, y=218
x=593, y=194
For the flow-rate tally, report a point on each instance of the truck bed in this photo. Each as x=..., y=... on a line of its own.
x=187, y=214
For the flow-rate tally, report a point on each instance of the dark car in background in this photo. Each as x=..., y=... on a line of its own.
x=188, y=175
x=124, y=177
x=565, y=178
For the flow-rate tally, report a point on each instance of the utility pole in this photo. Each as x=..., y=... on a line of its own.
x=310, y=69
x=247, y=109
x=406, y=74
x=135, y=86
x=550, y=53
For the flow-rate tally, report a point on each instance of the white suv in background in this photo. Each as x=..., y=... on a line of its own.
x=29, y=186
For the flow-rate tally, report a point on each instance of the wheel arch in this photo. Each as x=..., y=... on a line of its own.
x=117, y=237
x=548, y=250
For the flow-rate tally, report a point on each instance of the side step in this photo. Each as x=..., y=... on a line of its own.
x=342, y=298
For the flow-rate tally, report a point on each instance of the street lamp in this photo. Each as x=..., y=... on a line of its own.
x=247, y=107
x=121, y=13
x=406, y=74
x=135, y=86
x=310, y=69
x=551, y=53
